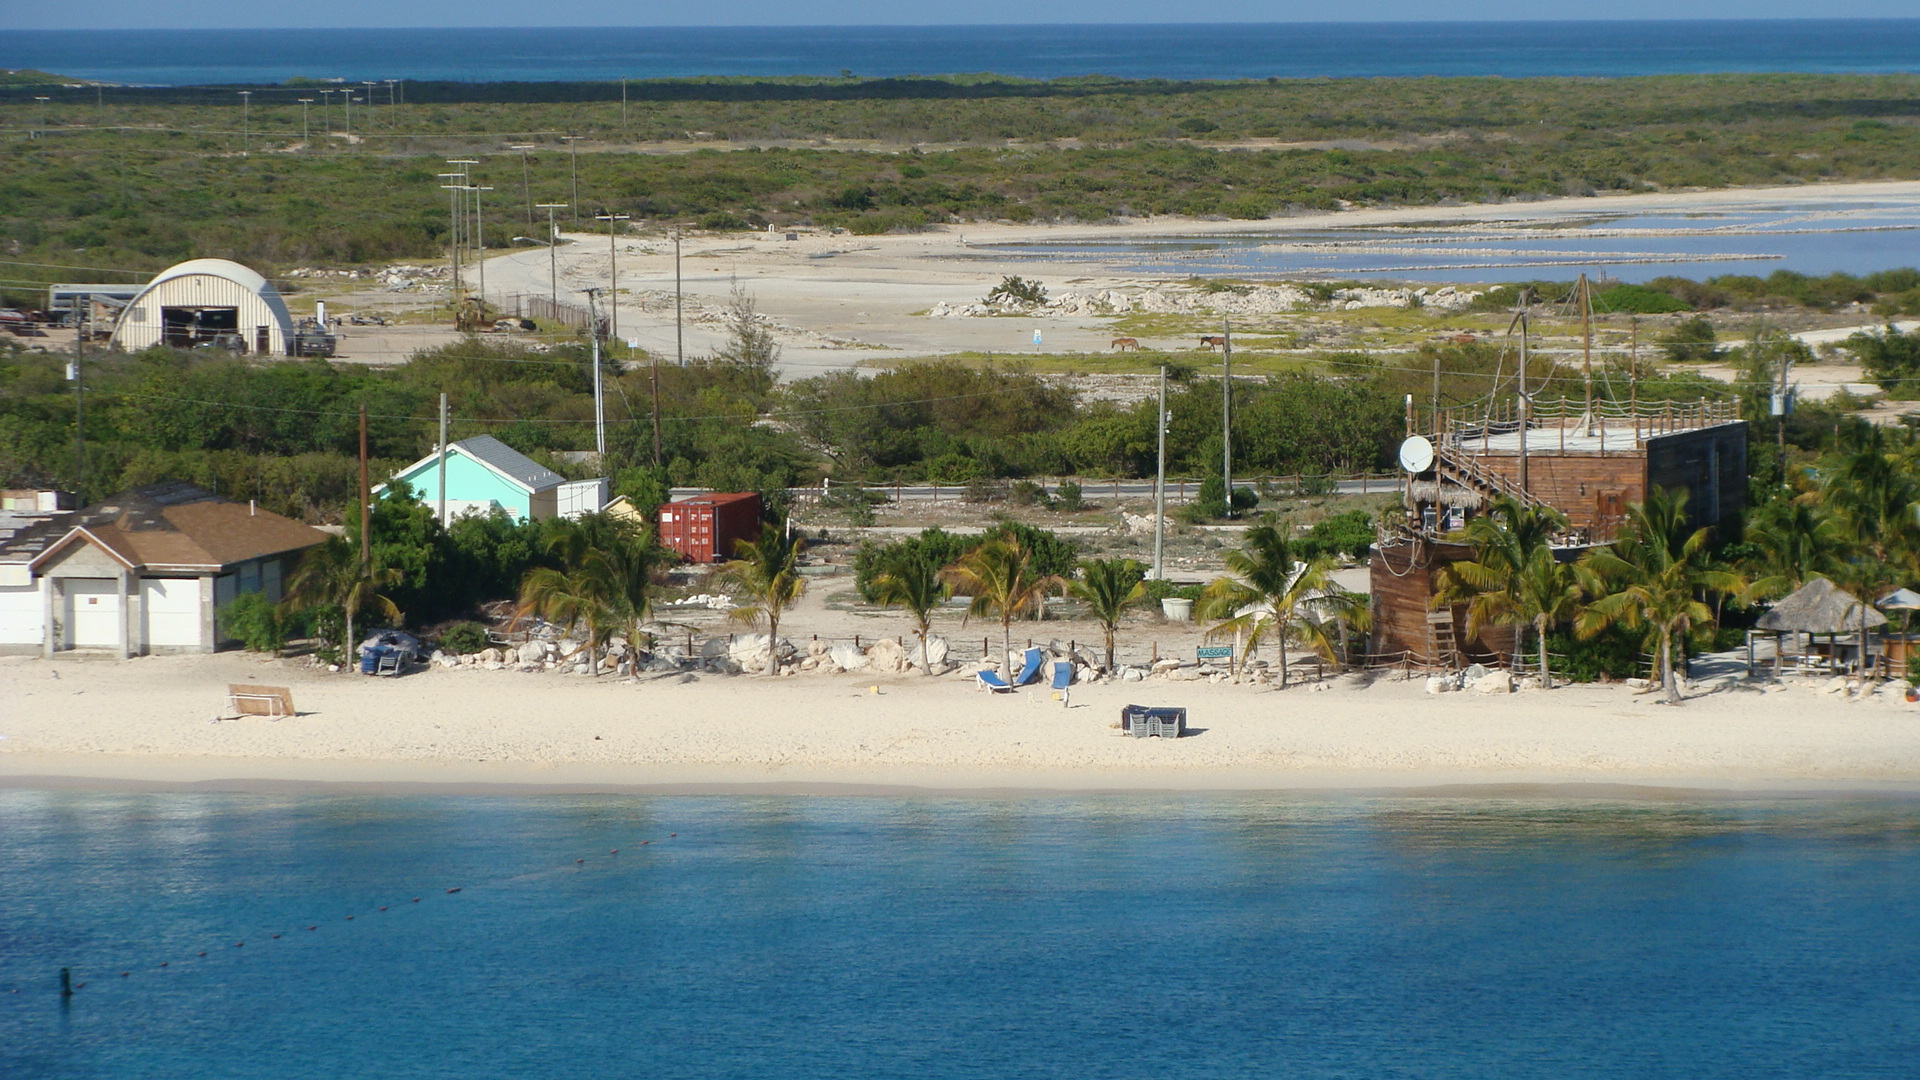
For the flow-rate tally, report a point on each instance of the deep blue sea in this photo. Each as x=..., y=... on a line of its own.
x=1214, y=51
x=1084, y=937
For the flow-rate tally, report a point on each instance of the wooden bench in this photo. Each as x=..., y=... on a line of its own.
x=245, y=700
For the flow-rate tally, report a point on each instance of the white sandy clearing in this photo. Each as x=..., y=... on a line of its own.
x=150, y=719
x=839, y=300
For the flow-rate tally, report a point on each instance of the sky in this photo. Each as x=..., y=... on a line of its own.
x=190, y=14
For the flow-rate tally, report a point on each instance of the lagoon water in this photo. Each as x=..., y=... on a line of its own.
x=1162, y=51
x=1821, y=233
x=1086, y=936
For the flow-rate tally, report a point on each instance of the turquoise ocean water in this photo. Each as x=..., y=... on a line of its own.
x=1086, y=937
x=1169, y=51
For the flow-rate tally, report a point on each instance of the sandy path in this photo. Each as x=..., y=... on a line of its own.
x=151, y=719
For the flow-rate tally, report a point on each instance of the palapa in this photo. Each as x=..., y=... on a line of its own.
x=1820, y=607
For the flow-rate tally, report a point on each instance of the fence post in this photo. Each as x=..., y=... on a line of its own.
x=856, y=642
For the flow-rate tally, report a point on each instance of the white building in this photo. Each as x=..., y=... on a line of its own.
x=143, y=572
x=207, y=302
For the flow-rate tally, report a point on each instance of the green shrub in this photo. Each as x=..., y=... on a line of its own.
x=1614, y=653
x=1019, y=290
x=1639, y=299
x=255, y=622
x=1028, y=493
x=1069, y=496
x=464, y=638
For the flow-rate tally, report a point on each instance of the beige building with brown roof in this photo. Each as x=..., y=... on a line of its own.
x=143, y=572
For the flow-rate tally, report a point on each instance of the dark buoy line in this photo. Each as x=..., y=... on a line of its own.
x=68, y=986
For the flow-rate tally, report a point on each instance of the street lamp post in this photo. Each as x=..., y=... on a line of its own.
x=613, y=272
x=526, y=184
x=553, y=261
x=393, y=115
x=246, y=103
x=326, y=110
x=306, y=129
x=42, y=130
x=346, y=122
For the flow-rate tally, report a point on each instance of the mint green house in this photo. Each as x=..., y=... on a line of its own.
x=485, y=475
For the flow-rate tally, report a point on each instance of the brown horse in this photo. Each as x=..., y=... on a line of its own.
x=1214, y=341
x=1122, y=344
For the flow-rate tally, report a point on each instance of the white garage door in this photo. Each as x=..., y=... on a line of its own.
x=93, y=613
x=20, y=614
x=172, y=612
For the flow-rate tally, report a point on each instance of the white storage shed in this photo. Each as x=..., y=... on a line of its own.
x=211, y=302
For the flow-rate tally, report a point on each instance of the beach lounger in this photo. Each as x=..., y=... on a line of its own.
x=991, y=680
x=247, y=700
x=1030, y=669
x=1062, y=674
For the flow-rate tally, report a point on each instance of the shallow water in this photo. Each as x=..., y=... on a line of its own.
x=1160, y=51
x=1124, y=936
x=1806, y=237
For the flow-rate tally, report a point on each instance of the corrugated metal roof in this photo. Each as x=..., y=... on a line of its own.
x=507, y=460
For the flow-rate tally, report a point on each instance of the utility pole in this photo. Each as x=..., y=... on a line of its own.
x=553, y=260
x=453, y=227
x=654, y=357
x=393, y=112
x=1436, y=391
x=1526, y=405
x=623, y=102
x=526, y=182
x=1226, y=410
x=80, y=405
x=679, y=334
x=246, y=103
x=443, y=459
x=306, y=129
x=599, y=413
x=1160, y=483
x=613, y=272
x=346, y=124
x=366, y=506
x=372, y=112
x=326, y=110
x=1586, y=345
x=480, y=237
x=41, y=131
x=573, y=154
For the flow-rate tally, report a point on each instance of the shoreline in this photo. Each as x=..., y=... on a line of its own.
x=128, y=774
x=145, y=724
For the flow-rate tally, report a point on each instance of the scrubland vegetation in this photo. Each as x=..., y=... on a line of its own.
x=146, y=178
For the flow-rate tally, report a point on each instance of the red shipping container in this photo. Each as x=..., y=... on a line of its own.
x=703, y=528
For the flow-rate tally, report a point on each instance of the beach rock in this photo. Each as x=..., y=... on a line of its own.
x=1439, y=684
x=1835, y=685
x=490, y=655
x=1531, y=682
x=1185, y=675
x=810, y=663
x=494, y=665
x=1495, y=682
x=1636, y=684
x=1132, y=674
x=847, y=658
x=1475, y=672
x=816, y=648
x=532, y=652
x=887, y=655
x=719, y=646
x=936, y=652
x=1165, y=664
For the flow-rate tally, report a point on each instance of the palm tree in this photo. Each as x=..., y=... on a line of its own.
x=1653, y=576
x=1793, y=540
x=581, y=597
x=766, y=572
x=1513, y=578
x=1000, y=577
x=333, y=574
x=1870, y=485
x=913, y=582
x=1109, y=587
x=620, y=556
x=1274, y=593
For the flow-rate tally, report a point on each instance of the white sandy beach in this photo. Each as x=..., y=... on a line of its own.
x=151, y=720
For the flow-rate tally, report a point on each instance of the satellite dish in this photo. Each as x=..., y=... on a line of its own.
x=1416, y=454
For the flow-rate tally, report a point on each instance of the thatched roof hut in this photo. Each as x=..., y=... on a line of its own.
x=1820, y=607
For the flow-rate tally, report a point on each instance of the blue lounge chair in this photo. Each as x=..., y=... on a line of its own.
x=1030, y=670
x=991, y=680
x=1062, y=674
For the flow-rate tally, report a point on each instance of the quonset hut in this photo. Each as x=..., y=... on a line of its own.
x=207, y=302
